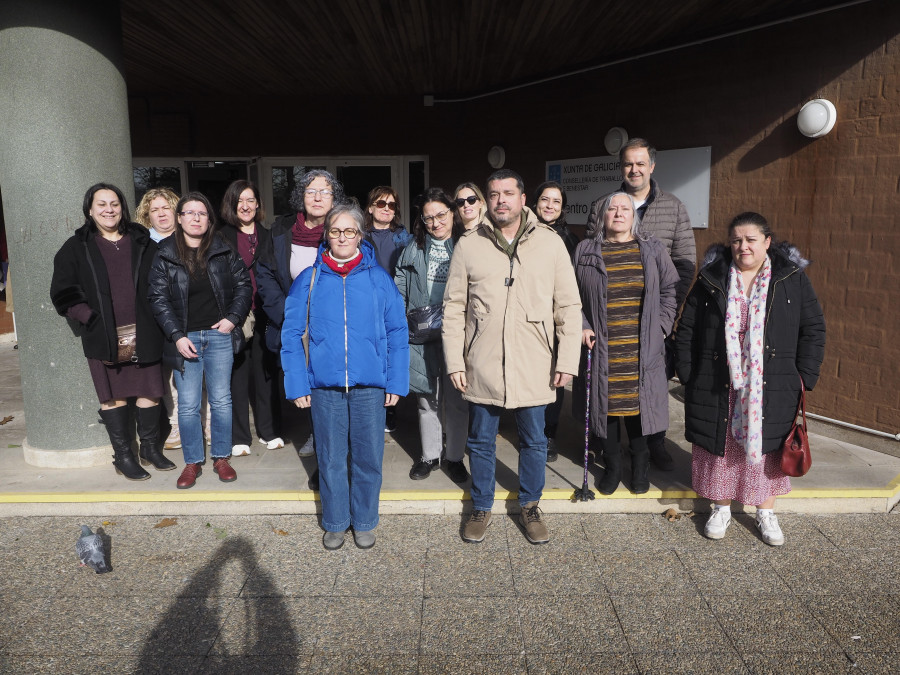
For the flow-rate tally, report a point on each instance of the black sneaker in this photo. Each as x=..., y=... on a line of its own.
x=390, y=420
x=456, y=471
x=313, y=482
x=552, y=454
x=423, y=468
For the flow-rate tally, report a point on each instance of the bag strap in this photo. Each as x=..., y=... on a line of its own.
x=801, y=405
x=308, y=300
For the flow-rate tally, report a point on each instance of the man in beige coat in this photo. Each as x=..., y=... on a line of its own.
x=512, y=335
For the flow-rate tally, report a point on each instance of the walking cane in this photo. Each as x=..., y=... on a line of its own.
x=584, y=494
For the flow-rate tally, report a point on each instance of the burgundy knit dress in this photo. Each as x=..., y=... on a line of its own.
x=123, y=380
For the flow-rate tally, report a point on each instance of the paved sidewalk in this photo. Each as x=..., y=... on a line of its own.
x=609, y=594
x=854, y=475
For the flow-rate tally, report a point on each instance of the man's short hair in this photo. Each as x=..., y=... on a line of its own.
x=503, y=174
x=637, y=143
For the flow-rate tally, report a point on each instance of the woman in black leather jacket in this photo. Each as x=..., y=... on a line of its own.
x=200, y=291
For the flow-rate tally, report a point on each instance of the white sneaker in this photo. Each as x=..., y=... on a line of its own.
x=718, y=523
x=240, y=450
x=274, y=444
x=767, y=523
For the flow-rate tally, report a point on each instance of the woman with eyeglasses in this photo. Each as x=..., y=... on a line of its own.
x=471, y=205
x=292, y=248
x=242, y=217
x=201, y=293
x=421, y=277
x=346, y=357
x=100, y=285
x=550, y=208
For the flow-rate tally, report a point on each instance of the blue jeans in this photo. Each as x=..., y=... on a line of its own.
x=484, y=423
x=215, y=357
x=349, y=424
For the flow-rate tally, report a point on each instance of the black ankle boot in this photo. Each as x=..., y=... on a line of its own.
x=116, y=421
x=640, y=469
x=612, y=476
x=148, y=432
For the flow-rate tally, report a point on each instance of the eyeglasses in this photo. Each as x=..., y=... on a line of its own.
x=462, y=201
x=428, y=220
x=382, y=204
x=190, y=215
x=312, y=192
x=349, y=233
x=248, y=202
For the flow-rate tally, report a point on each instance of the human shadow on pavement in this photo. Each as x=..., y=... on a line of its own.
x=258, y=627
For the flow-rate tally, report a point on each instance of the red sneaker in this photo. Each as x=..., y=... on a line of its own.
x=223, y=468
x=189, y=476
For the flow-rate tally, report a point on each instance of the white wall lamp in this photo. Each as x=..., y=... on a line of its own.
x=614, y=140
x=496, y=157
x=816, y=118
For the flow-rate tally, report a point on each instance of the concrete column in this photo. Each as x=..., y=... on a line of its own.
x=63, y=127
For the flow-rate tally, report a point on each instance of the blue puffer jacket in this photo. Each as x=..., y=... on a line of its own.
x=358, y=331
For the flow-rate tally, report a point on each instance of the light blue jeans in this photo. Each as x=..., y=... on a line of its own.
x=484, y=423
x=349, y=424
x=215, y=357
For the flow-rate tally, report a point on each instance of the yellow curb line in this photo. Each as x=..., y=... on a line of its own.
x=556, y=494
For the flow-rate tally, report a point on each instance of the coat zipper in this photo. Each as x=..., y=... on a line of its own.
x=346, y=356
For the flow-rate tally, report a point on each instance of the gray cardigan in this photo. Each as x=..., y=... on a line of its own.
x=657, y=317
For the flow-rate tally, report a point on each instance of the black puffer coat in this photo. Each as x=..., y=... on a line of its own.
x=794, y=347
x=79, y=276
x=169, y=285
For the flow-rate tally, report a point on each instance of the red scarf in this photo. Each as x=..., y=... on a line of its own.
x=301, y=235
x=342, y=268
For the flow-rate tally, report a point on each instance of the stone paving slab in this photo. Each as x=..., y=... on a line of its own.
x=235, y=593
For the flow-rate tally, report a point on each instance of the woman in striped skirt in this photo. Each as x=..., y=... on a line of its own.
x=627, y=284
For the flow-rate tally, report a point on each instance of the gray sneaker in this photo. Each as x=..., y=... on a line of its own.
x=476, y=526
x=535, y=530
x=365, y=539
x=332, y=541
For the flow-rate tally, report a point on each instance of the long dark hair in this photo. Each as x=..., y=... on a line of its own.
x=230, y=204
x=436, y=194
x=194, y=259
x=89, y=201
x=561, y=221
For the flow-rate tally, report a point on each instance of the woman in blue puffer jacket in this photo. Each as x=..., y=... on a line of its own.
x=351, y=364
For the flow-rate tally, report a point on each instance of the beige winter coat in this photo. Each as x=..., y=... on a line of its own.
x=510, y=339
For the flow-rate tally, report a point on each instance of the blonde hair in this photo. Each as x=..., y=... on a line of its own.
x=482, y=212
x=142, y=214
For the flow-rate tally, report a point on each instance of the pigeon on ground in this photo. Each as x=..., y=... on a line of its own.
x=89, y=548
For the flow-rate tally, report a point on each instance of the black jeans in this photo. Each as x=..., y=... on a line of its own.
x=256, y=365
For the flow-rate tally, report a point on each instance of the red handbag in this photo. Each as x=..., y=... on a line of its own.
x=795, y=455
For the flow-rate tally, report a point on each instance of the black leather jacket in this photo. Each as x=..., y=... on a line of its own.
x=169, y=284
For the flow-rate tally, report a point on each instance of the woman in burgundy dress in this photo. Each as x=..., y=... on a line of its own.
x=100, y=285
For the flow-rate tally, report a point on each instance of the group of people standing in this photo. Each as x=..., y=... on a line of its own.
x=485, y=305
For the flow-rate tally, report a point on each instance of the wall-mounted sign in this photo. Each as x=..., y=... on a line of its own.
x=684, y=173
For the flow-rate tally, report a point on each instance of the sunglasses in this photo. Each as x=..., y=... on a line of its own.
x=382, y=204
x=461, y=201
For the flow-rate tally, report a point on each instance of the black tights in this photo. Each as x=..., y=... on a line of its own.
x=637, y=442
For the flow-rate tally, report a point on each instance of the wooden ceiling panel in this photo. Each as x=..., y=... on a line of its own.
x=402, y=48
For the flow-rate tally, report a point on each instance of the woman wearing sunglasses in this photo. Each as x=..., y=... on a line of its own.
x=421, y=277
x=471, y=205
x=389, y=238
x=383, y=228
x=346, y=356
